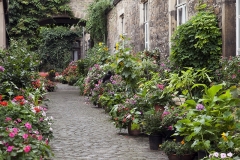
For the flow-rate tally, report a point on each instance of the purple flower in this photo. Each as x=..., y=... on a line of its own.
x=2, y=69
x=200, y=107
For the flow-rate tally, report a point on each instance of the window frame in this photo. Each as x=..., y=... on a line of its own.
x=182, y=6
x=146, y=25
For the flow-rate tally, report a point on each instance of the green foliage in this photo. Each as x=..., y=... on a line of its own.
x=183, y=82
x=96, y=55
x=56, y=46
x=80, y=84
x=97, y=20
x=128, y=66
x=172, y=147
x=153, y=123
x=197, y=43
x=25, y=14
x=206, y=125
x=20, y=66
x=81, y=67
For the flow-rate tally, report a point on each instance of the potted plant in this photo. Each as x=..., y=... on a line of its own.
x=159, y=97
x=169, y=118
x=207, y=120
x=152, y=127
x=178, y=150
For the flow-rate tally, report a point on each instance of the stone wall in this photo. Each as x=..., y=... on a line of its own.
x=79, y=7
x=162, y=21
x=134, y=26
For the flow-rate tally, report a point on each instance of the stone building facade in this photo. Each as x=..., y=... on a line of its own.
x=3, y=20
x=150, y=23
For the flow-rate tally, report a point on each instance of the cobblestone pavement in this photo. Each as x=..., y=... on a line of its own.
x=84, y=132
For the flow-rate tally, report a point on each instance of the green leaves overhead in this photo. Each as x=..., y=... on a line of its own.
x=25, y=14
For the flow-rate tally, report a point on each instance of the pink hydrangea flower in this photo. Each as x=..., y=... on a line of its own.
x=15, y=130
x=165, y=113
x=25, y=136
x=40, y=137
x=2, y=69
x=27, y=149
x=19, y=120
x=160, y=86
x=10, y=148
x=8, y=119
x=28, y=126
x=12, y=134
x=170, y=128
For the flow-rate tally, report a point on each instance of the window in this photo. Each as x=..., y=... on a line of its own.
x=238, y=28
x=181, y=12
x=146, y=26
x=122, y=24
x=76, y=51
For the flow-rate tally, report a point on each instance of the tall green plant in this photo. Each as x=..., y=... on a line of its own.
x=197, y=43
x=97, y=20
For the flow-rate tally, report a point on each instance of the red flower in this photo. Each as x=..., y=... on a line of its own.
x=37, y=109
x=19, y=98
x=0, y=97
x=4, y=103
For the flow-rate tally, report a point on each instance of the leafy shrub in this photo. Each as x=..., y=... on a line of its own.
x=20, y=66
x=197, y=43
x=96, y=55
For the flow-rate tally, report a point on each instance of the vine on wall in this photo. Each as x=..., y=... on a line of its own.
x=97, y=20
x=25, y=14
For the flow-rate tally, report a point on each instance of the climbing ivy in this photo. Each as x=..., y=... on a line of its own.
x=56, y=46
x=197, y=43
x=25, y=14
x=97, y=20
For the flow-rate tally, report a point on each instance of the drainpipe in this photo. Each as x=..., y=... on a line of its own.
x=83, y=43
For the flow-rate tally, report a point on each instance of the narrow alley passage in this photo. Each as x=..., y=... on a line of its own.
x=82, y=131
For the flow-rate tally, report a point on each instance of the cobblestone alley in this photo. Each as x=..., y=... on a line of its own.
x=82, y=131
